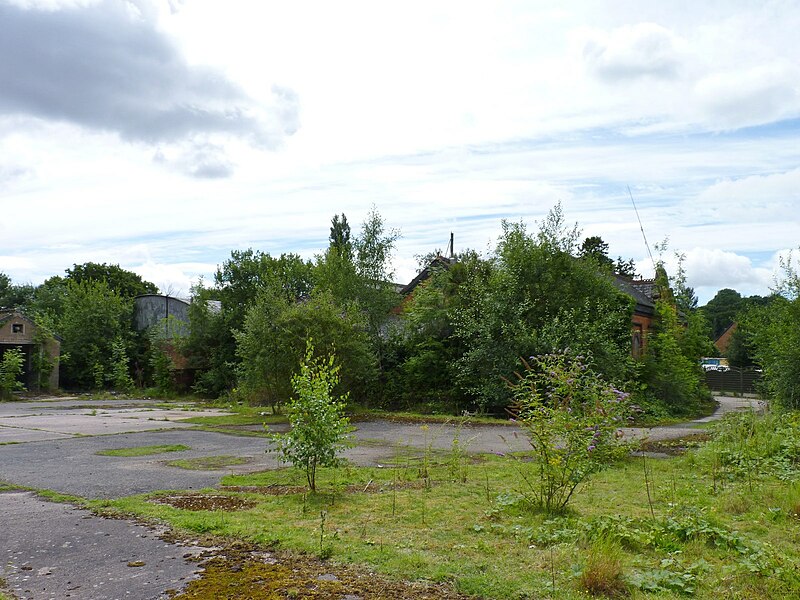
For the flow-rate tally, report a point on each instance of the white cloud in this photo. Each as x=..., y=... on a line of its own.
x=709, y=267
x=447, y=116
x=633, y=51
x=753, y=199
x=115, y=71
x=743, y=97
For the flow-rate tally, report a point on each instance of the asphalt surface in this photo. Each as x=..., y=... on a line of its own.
x=56, y=551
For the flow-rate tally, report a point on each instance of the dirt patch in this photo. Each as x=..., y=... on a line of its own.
x=198, y=502
x=677, y=446
x=258, y=575
x=268, y=490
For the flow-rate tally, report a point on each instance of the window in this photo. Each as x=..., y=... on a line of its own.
x=17, y=328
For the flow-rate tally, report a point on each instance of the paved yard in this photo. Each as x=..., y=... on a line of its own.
x=57, y=551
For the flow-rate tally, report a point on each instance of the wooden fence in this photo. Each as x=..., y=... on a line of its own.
x=740, y=381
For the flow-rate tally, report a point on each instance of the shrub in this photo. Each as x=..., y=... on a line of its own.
x=318, y=423
x=10, y=370
x=571, y=417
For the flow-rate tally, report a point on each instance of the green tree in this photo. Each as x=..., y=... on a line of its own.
x=594, y=248
x=534, y=282
x=340, y=236
x=672, y=376
x=125, y=283
x=424, y=353
x=316, y=416
x=721, y=310
x=13, y=296
x=365, y=279
x=120, y=375
x=271, y=345
x=211, y=347
x=773, y=333
x=48, y=299
x=93, y=317
x=205, y=348
x=41, y=362
x=11, y=366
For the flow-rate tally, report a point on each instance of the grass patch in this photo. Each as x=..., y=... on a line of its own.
x=242, y=421
x=208, y=463
x=143, y=450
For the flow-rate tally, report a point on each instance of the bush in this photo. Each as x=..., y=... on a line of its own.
x=571, y=417
x=10, y=370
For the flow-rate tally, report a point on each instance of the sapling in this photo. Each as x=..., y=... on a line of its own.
x=318, y=424
x=322, y=515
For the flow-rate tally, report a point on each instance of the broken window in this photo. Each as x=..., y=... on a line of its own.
x=17, y=328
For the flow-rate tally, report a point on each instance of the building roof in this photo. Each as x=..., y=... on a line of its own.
x=641, y=290
x=440, y=262
x=724, y=341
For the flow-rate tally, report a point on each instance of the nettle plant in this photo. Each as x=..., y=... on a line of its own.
x=319, y=426
x=572, y=419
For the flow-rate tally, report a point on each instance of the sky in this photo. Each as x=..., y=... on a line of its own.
x=162, y=135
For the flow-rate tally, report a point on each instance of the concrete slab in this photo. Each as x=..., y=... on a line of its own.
x=15, y=435
x=32, y=421
x=88, y=425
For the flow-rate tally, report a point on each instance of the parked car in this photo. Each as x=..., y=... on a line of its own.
x=715, y=364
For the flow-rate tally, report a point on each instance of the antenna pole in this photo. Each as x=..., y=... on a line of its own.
x=644, y=237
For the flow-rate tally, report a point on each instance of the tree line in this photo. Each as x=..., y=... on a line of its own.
x=453, y=344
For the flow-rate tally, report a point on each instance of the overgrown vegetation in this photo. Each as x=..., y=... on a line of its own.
x=684, y=535
x=772, y=334
x=10, y=370
x=444, y=348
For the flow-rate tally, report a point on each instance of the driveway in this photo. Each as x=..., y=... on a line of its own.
x=54, y=444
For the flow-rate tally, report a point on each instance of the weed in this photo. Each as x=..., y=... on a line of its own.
x=647, y=486
x=671, y=576
x=602, y=574
x=458, y=457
